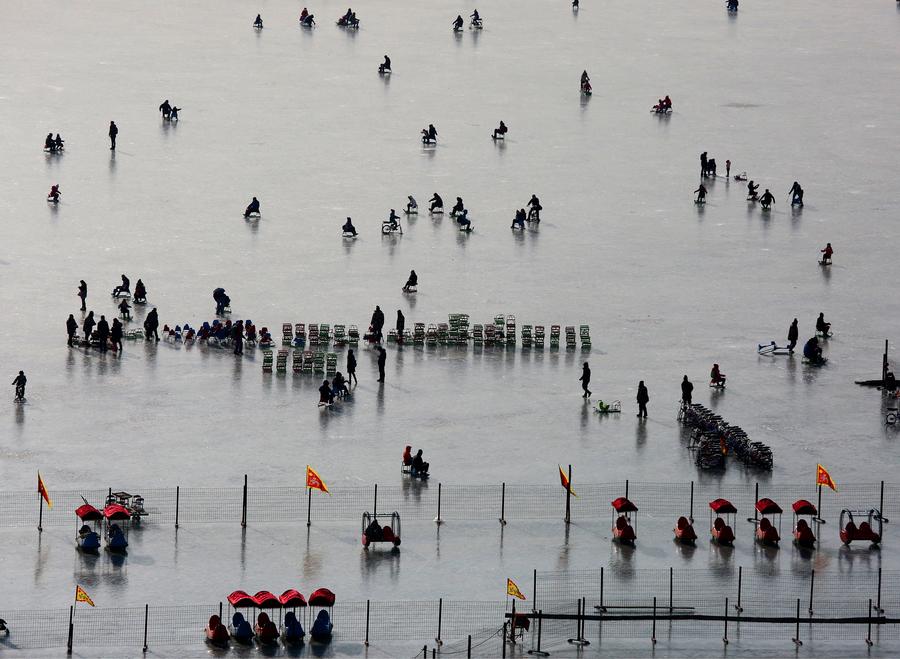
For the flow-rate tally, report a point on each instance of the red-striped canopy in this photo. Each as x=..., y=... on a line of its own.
x=266, y=600
x=115, y=511
x=623, y=505
x=87, y=513
x=240, y=599
x=321, y=597
x=768, y=507
x=804, y=507
x=292, y=598
x=722, y=506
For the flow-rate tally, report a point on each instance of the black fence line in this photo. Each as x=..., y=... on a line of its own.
x=439, y=502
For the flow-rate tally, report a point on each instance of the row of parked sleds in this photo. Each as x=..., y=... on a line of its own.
x=113, y=522
x=855, y=525
x=293, y=611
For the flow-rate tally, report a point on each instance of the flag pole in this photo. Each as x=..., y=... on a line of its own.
x=40, y=512
x=819, y=505
x=568, y=495
x=309, y=506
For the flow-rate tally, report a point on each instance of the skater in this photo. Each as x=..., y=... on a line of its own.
x=351, y=367
x=71, y=329
x=728, y=170
x=377, y=322
x=766, y=200
x=113, y=131
x=103, y=333
x=382, y=359
x=411, y=282
x=585, y=380
x=534, y=209
x=822, y=327
x=19, y=383
x=793, y=335
x=115, y=335
x=643, y=397
x=500, y=131
x=125, y=310
x=348, y=228
x=436, y=203
x=88, y=327
x=237, y=333
x=701, y=194
x=166, y=109
x=826, y=255
x=687, y=392
x=252, y=208
x=797, y=194
x=173, y=116
x=401, y=325
x=82, y=293
x=151, y=324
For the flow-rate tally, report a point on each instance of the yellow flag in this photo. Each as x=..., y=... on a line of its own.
x=42, y=490
x=314, y=481
x=81, y=596
x=564, y=481
x=824, y=478
x=513, y=590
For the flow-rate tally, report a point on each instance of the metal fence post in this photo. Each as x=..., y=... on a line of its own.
x=878, y=608
x=671, y=584
x=440, y=618
x=602, y=608
x=534, y=589
x=220, y=612
x=177, y=501
x=692, y=503
x=503, y=644
x=71, y=629
x=244, y=504
x=869, y=626
x=796, y=638
x=146, y=620
x=626, y=488
x=725, y=638
x=653, y=629
x=737, y=607
x=538, y=652
x=469, y=647
x=438, y=520
x=812, y=583
x=512, y=624
x=503, y=503
x=367, y=623
x=375, y=503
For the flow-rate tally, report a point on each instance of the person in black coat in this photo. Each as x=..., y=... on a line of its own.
x=687, y=391
x=401, y=325
x=351, y=367
x=237, y=333
x=643, y=397
x=377, y=321
x=382, y=359
x=115, y=334
x=82, y=293
x=71, y=328
x=103, y=333
x=793, y=335
x=585, y=380
x=151, y=323
x=88, y=326
x=411, y=282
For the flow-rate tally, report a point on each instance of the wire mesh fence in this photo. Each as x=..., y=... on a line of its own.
x=453, y=625
x=419, y=501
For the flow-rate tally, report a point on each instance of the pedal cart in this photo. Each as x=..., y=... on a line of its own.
x=722, y=533
x=684, y=531
x=373, y=532
x=622, y=531
x=864, y=532
x=803, y=534
x=766, y=533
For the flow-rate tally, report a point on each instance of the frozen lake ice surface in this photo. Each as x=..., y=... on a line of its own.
x=302, y=120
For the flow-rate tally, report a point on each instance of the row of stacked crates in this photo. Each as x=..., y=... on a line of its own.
x=302, y=361
x=319, y=334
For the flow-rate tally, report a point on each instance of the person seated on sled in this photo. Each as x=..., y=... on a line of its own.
x=54, y=193
x=411, y=205
x=519, y=219
x=419, y=466
x=326, y=395
x=252, y=207
x=501, y=130
x=826, y=253
x=429, y=135
x=659, y=107
x=534, y=209
x=436, y=202
x=385, y=66
x=304, y=14
x=352, y=21
x=58, y=142
x=407, y=456
x=457, y=207
x=125, y=310
x=258, y=22
x=140, y=292
x=249, y=331
x=667, y=103
x=716, y=377
x=476, y=18
x=822, y=326
x=411, y=282
x=308, y=21
x=458, y=24
x=732, y=5
x=348, y=227
x=812, y=351
x=767, y=199
x=751, y=191
x=124, y=288
x=49, y=144
x=462, y=219
x=339, y=385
